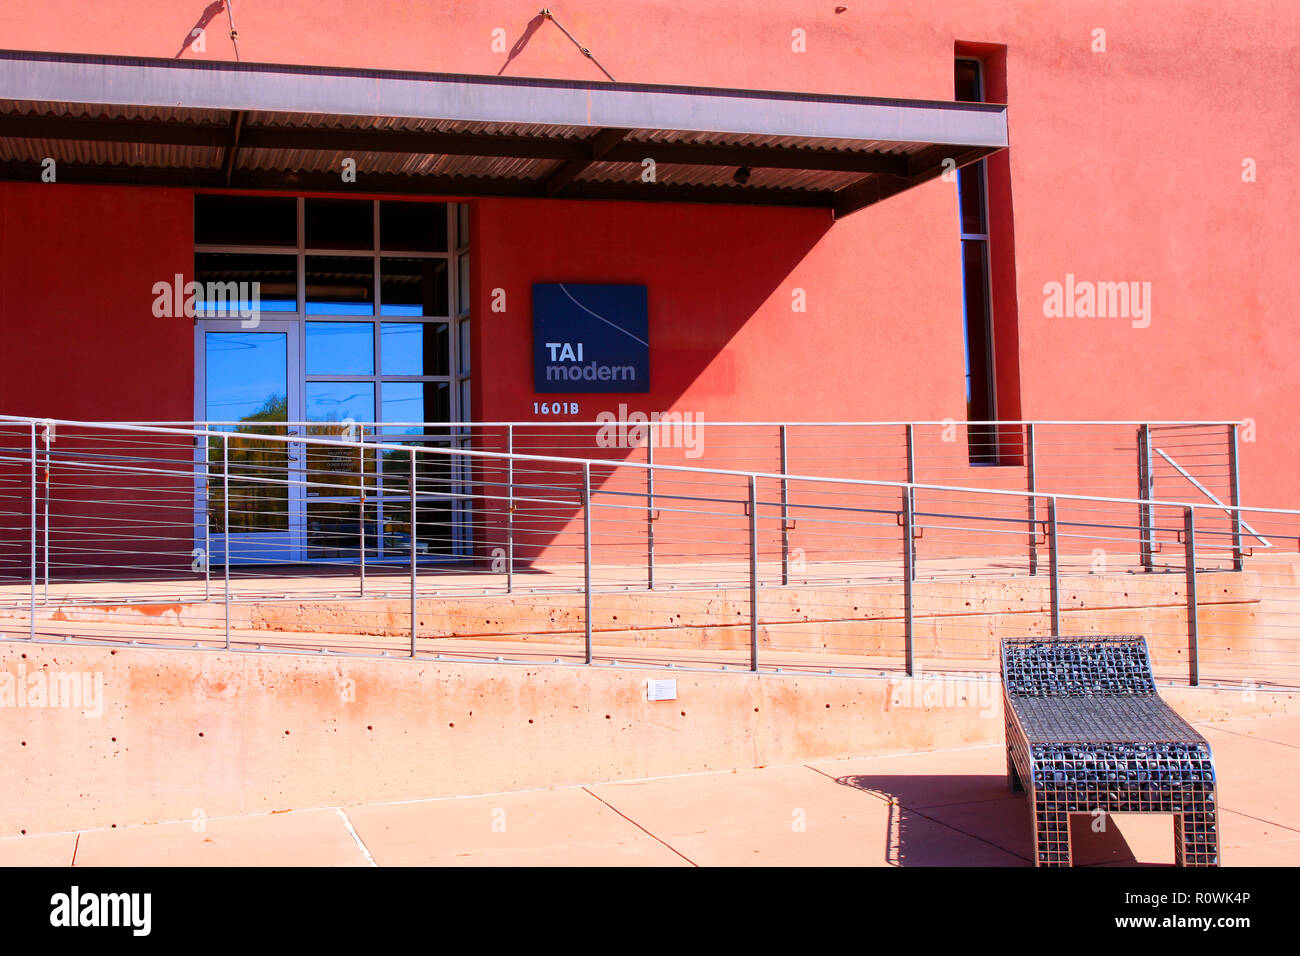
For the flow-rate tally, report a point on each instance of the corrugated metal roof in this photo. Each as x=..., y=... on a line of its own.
x=85, y=153
x=397, y=164
x=687, y=175
x=456, y=134
x=114, y=112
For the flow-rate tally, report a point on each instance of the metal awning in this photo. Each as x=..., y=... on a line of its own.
x=207, y=124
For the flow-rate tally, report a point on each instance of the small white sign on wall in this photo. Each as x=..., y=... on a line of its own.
x=661, y=690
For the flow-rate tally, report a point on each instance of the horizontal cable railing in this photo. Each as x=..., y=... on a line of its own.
x=1127, y=459
x=249, y=536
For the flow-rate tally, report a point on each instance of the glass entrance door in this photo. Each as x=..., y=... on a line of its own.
x=249, y=381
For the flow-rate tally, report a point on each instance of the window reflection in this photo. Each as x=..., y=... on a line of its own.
x=413, y=286
x=340, y=348
x=247, y=382
x=415, y=348
x=432, y=468
x=226, y=280
x=340, y=285
x=247, y=376
x=336, y=530
x=338, y=401
x=416, y=402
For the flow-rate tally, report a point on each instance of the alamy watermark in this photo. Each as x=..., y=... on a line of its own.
x=1084, y=299
x=211, y=299
x=133, y=911
x=72, y=690
x=946, y=690
x=624, y=429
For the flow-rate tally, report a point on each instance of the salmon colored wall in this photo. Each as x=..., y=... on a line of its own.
x=1125, y=165
x=725, y=341
x=79, y=340
x=77, y=268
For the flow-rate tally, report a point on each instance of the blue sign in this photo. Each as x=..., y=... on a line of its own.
x=590, y=338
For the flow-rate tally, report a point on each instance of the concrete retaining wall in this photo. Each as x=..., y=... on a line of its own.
x=185, y=732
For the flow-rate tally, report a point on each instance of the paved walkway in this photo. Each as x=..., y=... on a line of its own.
x=948, y=808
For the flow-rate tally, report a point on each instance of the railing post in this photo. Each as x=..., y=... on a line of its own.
x=1054, y=565
x=415, y=619
x=650, y=510
x=510, y=508
x=909, y=576
x=1234, y=477
x=785, y=510
x=1032, y=500
x=31, y=624
x=207, y=516
x=361, y=503
x=753, y=572
x=45, y=545
x=911, y=495
x=1193, y=630
x=586, y=556
x=1145, y=488
x=225, y=521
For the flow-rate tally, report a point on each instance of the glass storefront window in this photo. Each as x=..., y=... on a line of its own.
x=340, y=285
x=338, y=224
x=340, y=348
x=412, y=227
x=365, y=294
x=415, y=348
x=414, y=287
x=416, y=402
x=340, y=401
x=227, y=282
x=221, y=220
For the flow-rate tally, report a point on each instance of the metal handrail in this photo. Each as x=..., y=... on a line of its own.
x=911, y=519
x=645, y=466
x=732, y=424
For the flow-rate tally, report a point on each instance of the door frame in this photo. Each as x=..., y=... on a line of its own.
x=272, y=547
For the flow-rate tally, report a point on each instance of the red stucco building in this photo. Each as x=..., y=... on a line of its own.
x=793, y=271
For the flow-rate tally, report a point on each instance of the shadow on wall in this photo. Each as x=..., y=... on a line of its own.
x=712, y=271
x=948, y=820
x=201, y=24
x=533, y=26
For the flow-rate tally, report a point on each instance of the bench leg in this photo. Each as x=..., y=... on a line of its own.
x=1196, y=838
x=1051, y=835
x=1013, y=778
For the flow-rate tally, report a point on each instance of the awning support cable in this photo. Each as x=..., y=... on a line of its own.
x=546, y=12
x=234, y=34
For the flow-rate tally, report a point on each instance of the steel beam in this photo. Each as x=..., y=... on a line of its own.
x=212, y=85
x=596, y=149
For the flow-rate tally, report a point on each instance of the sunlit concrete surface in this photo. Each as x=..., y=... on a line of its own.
x=125, y=584
x=675, y=648
x=941, y=808
x=697, y=614
x=851, y=609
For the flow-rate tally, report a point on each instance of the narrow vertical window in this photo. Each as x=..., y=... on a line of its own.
x=972, y=207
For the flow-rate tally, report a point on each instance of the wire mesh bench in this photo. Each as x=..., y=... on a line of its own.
x=1088, y=733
